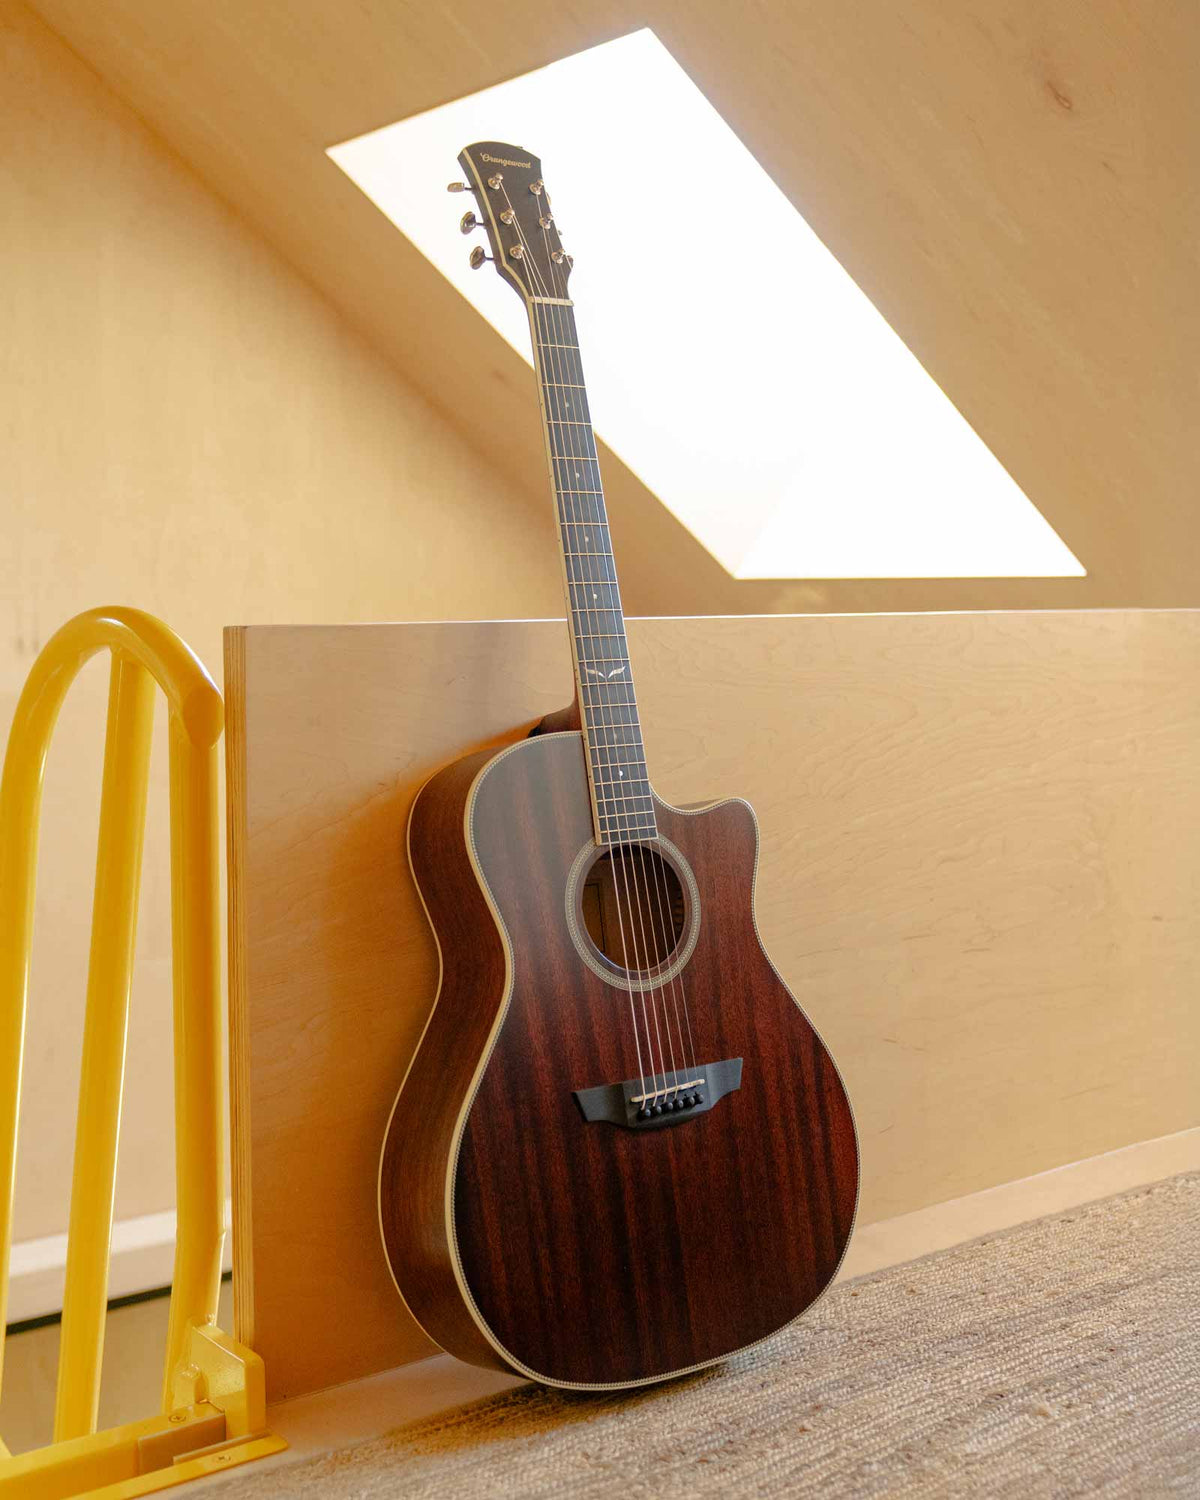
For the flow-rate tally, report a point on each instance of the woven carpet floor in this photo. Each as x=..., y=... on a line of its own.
x=1060, y=1358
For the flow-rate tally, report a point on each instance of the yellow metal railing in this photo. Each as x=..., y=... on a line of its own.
x=206, y=1377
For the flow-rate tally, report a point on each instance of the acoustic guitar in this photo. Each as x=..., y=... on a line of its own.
x=621, y=1151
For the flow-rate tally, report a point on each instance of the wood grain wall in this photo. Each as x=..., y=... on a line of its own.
x=187, y=427
x=980, y=874
x=1011, y=182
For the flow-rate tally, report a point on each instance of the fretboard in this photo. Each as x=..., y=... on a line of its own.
x=622, y=805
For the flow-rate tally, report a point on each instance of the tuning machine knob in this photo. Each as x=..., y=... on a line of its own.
x=468, y=223
x=457, y=187
x=477, y=257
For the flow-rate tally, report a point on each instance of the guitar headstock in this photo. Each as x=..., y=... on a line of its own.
x=514, y=210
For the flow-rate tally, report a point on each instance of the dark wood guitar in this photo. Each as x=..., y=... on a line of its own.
x=621, y=1151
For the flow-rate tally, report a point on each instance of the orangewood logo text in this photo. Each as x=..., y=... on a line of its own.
x=503, y=161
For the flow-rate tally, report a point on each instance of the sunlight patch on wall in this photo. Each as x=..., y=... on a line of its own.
x=731, y=363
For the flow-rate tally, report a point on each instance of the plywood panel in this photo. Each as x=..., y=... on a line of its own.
x=980, y=873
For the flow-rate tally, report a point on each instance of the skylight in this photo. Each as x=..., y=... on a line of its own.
x=731, y=363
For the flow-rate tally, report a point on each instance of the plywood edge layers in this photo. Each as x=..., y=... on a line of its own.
x=239, y=1024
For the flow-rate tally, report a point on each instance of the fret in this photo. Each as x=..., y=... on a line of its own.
x=610, y=706
x=628, y=833
x=631, y=781
x=612, y=709
x=608, y=656
x=591, y=572
x=614, y=758
x=566, y=435
x=591, y=550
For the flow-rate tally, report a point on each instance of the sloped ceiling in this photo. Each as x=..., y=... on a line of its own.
x=1014, y=183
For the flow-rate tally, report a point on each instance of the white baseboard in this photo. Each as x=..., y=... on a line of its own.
x=142, y=1259
x=890, y=1242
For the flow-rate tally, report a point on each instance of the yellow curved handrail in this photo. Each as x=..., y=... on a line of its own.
x=144, y=651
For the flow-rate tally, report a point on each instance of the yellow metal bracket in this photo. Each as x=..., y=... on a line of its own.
x=213, y=1388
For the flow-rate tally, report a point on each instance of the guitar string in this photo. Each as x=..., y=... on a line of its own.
x=612, y=811
x=650, y=864
x=661, y=893
x=666, y=927
x=547, y=347
x=534, y=272
x=625, y=849
x=620, y=856
x=628, y=942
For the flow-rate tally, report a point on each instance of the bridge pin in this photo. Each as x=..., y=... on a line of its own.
x=643, y=1113
x=698, y=1097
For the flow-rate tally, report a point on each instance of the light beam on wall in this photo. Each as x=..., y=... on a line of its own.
x=731, y=362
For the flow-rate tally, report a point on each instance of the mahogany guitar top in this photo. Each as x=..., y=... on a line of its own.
x=592, y=1255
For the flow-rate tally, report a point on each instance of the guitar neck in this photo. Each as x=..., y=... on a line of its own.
x=622, y=806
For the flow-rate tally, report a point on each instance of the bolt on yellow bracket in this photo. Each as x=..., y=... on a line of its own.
x=214, y=1403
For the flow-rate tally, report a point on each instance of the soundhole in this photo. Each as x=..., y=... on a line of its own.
x=634, y=907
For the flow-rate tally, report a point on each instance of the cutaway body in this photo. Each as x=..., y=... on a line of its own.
x=604, y=1251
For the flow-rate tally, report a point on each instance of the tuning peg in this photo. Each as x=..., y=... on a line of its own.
x=468, y=222
x=457, y=187
x=477, y=257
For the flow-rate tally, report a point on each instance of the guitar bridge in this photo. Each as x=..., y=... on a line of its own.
x=661, y=1099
